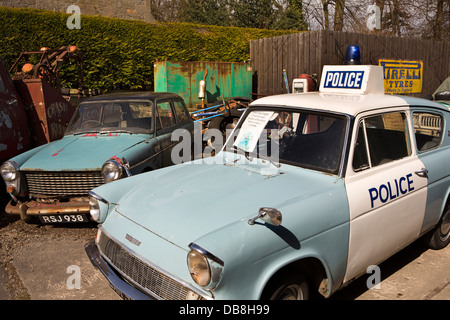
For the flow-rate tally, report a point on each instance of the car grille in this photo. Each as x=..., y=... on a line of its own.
x=62, y=183
x=160, y=285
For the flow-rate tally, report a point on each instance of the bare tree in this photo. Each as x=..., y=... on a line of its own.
x=428, y=19
x=434, y=22
x=165, y=10
x=339, y=15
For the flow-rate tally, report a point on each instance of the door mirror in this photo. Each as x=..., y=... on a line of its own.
x=268, y=215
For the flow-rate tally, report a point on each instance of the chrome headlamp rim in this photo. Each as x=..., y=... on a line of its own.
x=94, y=205
x=215, y=266
x=11, y=165
x=116, y=166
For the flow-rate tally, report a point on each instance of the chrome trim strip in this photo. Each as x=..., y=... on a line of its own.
x=99, y=198
x=154, y=155
x=145, y=160
x=207, y=254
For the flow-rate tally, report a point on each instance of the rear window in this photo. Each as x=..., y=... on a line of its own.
x=428, y=130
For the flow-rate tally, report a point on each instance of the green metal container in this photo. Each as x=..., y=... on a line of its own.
x=223, y=79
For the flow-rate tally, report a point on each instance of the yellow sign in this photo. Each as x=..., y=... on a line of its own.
x=402, y=76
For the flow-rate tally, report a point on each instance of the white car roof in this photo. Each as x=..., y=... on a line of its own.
x=351, y=104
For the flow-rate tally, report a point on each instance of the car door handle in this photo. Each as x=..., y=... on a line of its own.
x=422, y=173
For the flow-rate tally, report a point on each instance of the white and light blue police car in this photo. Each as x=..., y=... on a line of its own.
x=308, y=192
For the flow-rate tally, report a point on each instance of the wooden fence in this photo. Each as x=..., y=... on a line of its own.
x=308, y=52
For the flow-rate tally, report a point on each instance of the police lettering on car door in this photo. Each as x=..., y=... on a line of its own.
x=391, y=190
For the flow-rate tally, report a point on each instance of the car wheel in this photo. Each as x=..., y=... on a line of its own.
x=293, y=287
x=439, y=237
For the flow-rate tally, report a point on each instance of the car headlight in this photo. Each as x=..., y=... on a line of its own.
x=205, y=268
x=111, y=170
x=9, y=171
x=94, y=208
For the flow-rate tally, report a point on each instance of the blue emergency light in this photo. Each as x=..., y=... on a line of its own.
x=353, y=55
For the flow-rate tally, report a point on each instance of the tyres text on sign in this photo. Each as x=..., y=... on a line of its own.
x=401, y=76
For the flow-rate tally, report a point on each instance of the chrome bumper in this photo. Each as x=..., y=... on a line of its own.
x=32, y=207
x=120, y=286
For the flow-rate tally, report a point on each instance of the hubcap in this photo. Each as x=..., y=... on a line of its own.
x=445, y=225
x=292, y=292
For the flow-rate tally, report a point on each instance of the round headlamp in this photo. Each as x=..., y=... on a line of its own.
x=9, y=171
x=205, y=268
x=94, y=208
x=199, y=268
x=111, y=170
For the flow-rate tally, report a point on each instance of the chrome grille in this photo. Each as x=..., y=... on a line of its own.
x=141, y=273
x=62, y=183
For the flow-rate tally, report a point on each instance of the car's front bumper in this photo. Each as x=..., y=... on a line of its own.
x=120, y=286
x=73, y=206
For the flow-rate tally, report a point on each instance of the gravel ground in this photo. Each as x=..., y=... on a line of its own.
x=15, y=235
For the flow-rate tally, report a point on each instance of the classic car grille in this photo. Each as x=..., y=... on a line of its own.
x=146, y=276
x=62, y=183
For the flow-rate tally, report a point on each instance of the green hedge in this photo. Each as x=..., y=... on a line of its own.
x=120, y=53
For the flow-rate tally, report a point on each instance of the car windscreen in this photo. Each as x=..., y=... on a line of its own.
x=112, y=116
x=302, y=138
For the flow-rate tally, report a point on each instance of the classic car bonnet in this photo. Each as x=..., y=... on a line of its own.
x=184, y=202
x=83, y=152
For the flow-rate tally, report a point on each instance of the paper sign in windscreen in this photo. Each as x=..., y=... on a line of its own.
x=251, y=130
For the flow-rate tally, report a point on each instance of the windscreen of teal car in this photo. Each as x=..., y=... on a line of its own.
x=107, y=116
x=306, y=139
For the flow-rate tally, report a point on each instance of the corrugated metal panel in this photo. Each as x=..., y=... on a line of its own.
x=227, y=79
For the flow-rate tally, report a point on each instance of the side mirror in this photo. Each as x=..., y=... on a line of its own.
x=269, y=215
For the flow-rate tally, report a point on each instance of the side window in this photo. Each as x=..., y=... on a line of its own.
x=165, y=114
x=180, y=109
x=360, y=156
x=381, y=139
x=428, y=130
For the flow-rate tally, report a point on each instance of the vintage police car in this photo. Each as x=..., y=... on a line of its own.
x=309, y=191
x=109, y=137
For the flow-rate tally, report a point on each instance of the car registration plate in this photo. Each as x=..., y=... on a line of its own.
x=64, y=218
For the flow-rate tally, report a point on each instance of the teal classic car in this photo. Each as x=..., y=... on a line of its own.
x=308, y=192
x=109, y=137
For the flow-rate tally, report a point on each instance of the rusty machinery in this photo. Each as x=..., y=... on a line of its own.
x=35, y=75
x=48, y=66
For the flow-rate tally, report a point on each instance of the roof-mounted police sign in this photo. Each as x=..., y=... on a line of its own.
x=402, y=76
x=359, y=79
x=344, y=79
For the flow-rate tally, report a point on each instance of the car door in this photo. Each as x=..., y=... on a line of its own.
x=386, y=188
x=183, y=118
x=166, y=123
x=429, y=127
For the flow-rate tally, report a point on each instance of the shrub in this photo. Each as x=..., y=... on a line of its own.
x=119, y=54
